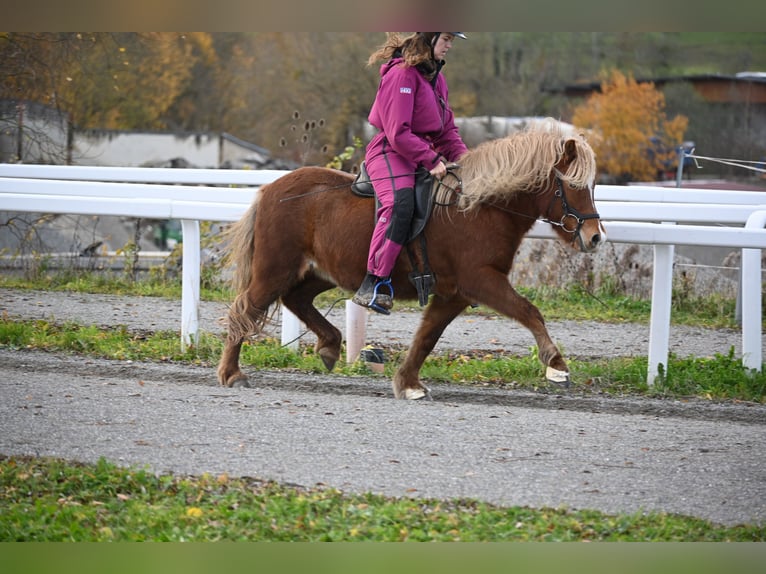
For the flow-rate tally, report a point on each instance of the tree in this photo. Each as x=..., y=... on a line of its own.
x=629, y=130
x=102, y=80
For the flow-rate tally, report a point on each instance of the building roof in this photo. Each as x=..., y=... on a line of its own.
x=747, y=86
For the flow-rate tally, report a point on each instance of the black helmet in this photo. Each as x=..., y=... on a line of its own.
x=433, y=36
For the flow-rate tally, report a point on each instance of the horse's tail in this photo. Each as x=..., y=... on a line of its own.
x=239, y=250
x=238, y=247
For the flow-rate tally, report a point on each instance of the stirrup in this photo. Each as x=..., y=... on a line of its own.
x=373, y=304
x=423, y=283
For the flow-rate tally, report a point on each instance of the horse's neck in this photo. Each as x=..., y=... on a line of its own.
x=528, y=206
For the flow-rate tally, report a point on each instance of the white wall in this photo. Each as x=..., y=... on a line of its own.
x=42, y=129
x=120, y=149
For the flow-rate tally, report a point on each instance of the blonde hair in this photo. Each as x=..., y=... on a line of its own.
x=523, y=163
x=415, y=49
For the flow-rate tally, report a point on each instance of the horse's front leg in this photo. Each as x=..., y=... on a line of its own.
x=492, y=288
x=439, y=313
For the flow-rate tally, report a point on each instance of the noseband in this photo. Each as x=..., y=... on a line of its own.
x=569, y=211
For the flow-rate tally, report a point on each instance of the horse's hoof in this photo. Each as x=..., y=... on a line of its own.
x=328, y=359
x=237, y=382
x=417, y=394
x=558, y=377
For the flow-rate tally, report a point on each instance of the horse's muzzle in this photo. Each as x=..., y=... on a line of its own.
x=589, y=242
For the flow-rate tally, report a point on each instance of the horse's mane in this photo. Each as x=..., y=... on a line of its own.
x=522, y=163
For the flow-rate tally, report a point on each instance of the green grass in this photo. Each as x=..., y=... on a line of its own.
x=44, y=499
x=114, y=284
x=721, y=377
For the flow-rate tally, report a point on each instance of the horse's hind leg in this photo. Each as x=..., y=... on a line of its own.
x=246, y=317
x=439, y=313
x=300, y=301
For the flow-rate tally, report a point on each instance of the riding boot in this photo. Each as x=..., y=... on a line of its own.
x=369, y=295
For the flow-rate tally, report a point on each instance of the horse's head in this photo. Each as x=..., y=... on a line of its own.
x=572, y=209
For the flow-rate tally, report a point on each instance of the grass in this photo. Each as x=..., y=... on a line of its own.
x=43, y=499
x=721, y=377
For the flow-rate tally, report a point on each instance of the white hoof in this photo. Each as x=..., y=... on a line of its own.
x=558, y=377
x=415, y=394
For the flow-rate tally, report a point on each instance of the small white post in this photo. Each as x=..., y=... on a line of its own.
x=190, y=282
x=752, y=355
x=356, y=330
x=291, y=329
x=659, y=325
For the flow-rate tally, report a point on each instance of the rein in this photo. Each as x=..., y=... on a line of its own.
x=569, y=211
x=560, y=194
x=341, y=186
x=451, y=169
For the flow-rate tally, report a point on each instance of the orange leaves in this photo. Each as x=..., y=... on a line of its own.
x=629, y=131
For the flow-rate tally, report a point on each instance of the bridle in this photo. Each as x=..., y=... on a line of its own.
x=568, y=211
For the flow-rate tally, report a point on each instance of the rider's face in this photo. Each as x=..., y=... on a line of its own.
x=443, y=45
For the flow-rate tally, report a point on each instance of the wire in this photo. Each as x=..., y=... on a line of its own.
x=307, y=330
x=732, y=162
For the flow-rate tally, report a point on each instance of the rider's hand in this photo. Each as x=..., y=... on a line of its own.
x=439, y=170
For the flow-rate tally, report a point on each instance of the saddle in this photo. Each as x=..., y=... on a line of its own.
x=421, y=276
x=424, y=198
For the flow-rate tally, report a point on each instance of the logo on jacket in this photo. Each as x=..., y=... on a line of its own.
x=404, y=90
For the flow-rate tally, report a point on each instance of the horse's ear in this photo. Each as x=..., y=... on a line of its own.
x=570, y=151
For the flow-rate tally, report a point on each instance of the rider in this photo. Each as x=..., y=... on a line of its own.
x=415, y=128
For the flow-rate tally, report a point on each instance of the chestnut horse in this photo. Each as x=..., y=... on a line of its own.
x=306, y=233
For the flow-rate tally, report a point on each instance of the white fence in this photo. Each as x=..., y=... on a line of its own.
x=662, y=217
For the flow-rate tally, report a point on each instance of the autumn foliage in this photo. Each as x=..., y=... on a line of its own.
x=628, y=128
x=102, y=79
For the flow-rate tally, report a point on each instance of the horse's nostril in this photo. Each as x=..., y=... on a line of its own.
x=595, y=240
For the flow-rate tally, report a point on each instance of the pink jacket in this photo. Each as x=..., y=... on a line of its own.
x=414, y=119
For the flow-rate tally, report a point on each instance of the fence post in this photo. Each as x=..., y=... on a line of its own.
x=190, y=285
x=659, y=323
x=356, y=327
x=662, y=297
x=751, y=298
x=291, y=329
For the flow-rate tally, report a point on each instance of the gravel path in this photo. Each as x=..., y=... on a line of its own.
x=693, y=457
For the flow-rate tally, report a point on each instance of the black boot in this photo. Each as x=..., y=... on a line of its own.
x=369, y=295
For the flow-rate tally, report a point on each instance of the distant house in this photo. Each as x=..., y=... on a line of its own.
x=743, y=88
x=745, y=91
x=733, y=125
x=137, y=148
x=31, y=132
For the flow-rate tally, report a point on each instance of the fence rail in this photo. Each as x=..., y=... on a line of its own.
x=662, y=217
